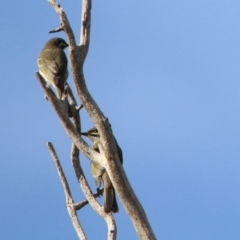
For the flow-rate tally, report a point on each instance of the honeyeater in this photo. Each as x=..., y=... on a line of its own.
x=100, y=175
x=52, y=63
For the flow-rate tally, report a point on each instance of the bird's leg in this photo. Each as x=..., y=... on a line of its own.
x=99, y=192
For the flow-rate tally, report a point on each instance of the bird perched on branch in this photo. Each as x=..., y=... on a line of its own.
x=52, y=63
x=100, y=175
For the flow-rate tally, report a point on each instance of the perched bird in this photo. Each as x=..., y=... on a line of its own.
x=100, y=175
x=52, y=63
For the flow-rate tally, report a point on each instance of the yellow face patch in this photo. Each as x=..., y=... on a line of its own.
x=94, y=132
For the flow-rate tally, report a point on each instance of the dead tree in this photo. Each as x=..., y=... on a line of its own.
x=107, y=157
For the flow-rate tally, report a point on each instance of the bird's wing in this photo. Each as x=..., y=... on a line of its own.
x=53, y=66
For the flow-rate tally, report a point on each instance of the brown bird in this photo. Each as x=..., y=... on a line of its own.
x=52, y=63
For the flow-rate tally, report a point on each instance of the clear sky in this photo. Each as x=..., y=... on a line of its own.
x=166, y=74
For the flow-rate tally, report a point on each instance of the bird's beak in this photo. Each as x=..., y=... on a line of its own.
x=66, y=45
x=84, y=133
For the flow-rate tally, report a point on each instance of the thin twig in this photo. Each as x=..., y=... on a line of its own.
x=69, y=200
x=83, y=203
x=59, y=29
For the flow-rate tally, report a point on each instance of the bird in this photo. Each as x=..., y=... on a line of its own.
x=52, y=63
x=100, y=175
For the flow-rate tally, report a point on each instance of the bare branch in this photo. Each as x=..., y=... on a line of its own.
x=69, y=200
x=59, y=29
x=85, y=28
x=83, y=203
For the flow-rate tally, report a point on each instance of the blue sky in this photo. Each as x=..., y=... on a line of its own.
x=166, y=74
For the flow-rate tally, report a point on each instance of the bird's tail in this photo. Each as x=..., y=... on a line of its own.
x=110, y=202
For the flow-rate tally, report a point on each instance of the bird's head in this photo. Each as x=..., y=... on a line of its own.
x=56, y=43
x=92, y=134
